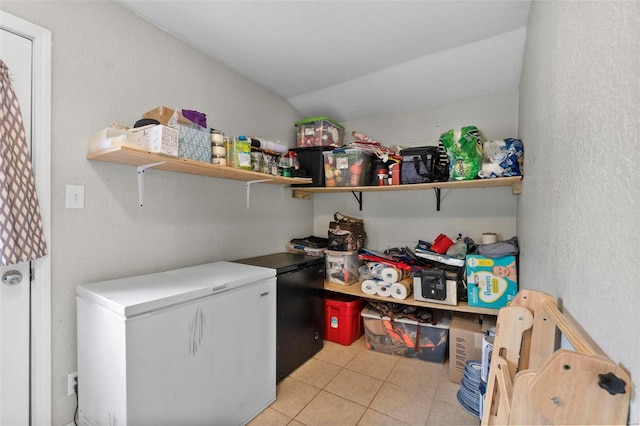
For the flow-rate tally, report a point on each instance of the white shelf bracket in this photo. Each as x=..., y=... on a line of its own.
x=248, y=186
x=141, y=170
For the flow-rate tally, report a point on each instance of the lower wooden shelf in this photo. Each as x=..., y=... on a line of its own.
x=354, y=290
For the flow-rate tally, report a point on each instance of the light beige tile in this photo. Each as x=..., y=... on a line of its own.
x=336, y=353
x=354, y=386
x=330, y=410
x=372, y=364
x=415, y=376
x=436, y=367
x=373, y=418
x=445, y=414
x=316, y=372
x=360, y=344
x=447, y=391
x=270, y=417
x=295, y=423
x=292, y=396
x=403, y=404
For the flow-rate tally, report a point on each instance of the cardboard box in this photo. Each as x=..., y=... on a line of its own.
x=405, y=337
x=465, y=342
x=491, y=282
x=164, y=114
x=158, y=138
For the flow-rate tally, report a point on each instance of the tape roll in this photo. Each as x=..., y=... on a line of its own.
x=489, y=238
x=401, y=290
x=384, y=289
x=391, y=275
x=369, y=286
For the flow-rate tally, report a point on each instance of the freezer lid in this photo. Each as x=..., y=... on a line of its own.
x=283, y=262
x=144, y=293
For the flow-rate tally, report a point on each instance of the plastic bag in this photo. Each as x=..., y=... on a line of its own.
x=502, y=158
x=464, y=149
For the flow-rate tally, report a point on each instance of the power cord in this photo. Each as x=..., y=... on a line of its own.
x=75, y=414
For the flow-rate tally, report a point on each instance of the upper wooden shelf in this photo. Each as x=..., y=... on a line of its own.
x=515, y=182
x=140, y=158
x=354, y=290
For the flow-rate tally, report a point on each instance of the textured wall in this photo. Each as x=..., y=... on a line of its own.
x=400, y=218
x=578, y=212
x=110, y=65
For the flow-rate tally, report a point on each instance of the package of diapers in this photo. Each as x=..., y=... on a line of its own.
x=501, y=158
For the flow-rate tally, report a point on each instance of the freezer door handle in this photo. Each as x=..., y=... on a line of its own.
x=220, y=288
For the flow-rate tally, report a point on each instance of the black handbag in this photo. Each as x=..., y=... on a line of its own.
x=424, y=164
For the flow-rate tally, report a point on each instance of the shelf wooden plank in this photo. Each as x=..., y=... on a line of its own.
x=354, y=290
x=137, y=157
x=515, y=182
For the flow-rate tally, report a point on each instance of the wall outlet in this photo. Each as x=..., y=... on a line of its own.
x=72, y=381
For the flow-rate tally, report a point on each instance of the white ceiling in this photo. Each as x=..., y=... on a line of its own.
x=353, y=59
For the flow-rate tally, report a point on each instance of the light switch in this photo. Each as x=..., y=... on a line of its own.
x=75, y=196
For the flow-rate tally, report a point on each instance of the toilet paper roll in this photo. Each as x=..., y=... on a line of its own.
x=489, y=238
x=401, y=290
x=384, y=289
x=391, y=275
x=370, y=286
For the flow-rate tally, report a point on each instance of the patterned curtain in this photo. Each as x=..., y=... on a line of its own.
x=21, y=237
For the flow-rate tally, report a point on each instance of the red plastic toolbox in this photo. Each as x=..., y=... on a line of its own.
x=343, y=322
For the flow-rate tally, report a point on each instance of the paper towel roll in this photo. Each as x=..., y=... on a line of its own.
x=384, y=289
x=391, y=275
x=489, y=238
x=376, y=269
x=401, y=290
x=370, y=286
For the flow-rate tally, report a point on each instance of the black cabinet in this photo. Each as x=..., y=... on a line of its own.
x=300, y=304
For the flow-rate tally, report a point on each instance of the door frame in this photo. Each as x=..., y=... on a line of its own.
x=40, y=355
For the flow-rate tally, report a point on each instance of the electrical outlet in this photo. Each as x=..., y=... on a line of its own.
x=72, y=381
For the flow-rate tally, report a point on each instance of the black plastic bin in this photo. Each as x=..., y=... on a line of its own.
x=312, y=161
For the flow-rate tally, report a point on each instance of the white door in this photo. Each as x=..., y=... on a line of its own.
x=16, y=52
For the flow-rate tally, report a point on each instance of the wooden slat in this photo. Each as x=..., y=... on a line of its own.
x=135, y=157
x=513, y=181
x=355, y=290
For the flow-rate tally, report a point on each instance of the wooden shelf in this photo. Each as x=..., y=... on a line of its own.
x=515, y=182
x=140, y=158
x=354, y=290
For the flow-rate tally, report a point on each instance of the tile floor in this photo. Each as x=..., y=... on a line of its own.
x=351, y=385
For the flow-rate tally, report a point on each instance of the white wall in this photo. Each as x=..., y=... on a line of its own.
x=578, y=212
x=110, y=65
x=400, y=218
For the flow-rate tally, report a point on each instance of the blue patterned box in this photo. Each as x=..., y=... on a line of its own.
x=491, y=282
x=194, y=144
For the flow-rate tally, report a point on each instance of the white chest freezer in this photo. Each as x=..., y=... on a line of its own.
x=193, y=346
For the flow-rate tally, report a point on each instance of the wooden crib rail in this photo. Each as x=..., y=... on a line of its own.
x=530, y=382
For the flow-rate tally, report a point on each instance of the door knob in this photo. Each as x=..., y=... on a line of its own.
x=12, y=277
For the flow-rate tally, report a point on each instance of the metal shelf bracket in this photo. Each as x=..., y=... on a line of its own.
x=141, y=170
x=437, y=191
x=358, y=198
x=248, y=186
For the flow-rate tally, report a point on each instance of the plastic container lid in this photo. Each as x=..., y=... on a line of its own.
x=321, y=118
